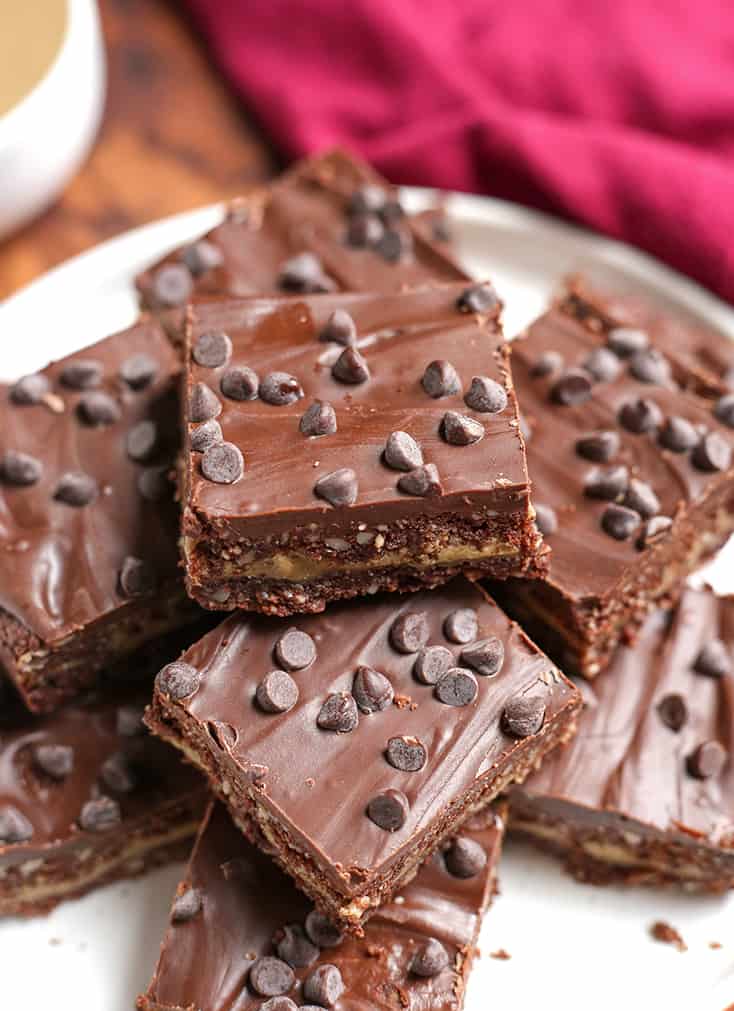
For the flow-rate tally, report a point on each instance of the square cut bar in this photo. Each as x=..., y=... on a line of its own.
x=235, y=909
x=645, y=792
x=403, y=489
x=352, y=768
x=333, y=208
x=88, y=537
x=632, y=481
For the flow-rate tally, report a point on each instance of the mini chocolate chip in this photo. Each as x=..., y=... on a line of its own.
x=294, y=649
x=240, y=382
x=30, y=389
x=339, y=488
x=485, y=656
x=98, y=409
x=318, y=419
x=457, y=687
x=431, y=663
x=172, y=285
x=281, y=1004
x=203, y=403
x=205, y=435
x=714, y=660
x=280, y=388
x=465, y=858
x=640, y=497
x=338, y=713
x=186, y=905
x=678, y=435
x=100, y=814
x=624, y=341
x=430, y=959
x=422, y=481
x=211, y=350
x=304, y=273
x=460, y=430
x=724, y=410
x=202, y=256
x=14, y=826
x=340, y=328
x=388, y=810
x=640, y=416
x=350, y=367
x=292, y=945
x=222, y=463
x=56, y=760
x=546, y=519
x=324, y=986
x=372, y=691
x=402, y=452
x=440, y=379
x=137, y=577
x=608, y=485
x=603, y=365
x=394, y=245
x=277, y=692
x=712, y=453
x=653, y=530
x=619, y=522
x=271, y=977
x=409, y=632
x=178, y=680
x=486, y=396
x=546, y=363
x=599, y=446
x=707, y=761
x=142, y=440
x=117, y=774
x=368, y=199
x=572, y=388
x=478, y=298
x=461, y=625
x=523, y=716
x=130, y=720
x=364, y=230
x=673, y=711
x=76, y=489
x=322, y=931
x=82, y=374
x=154, y=483
x=407, y=754
x=650, y=366
x=20, y=469
x=139, y=370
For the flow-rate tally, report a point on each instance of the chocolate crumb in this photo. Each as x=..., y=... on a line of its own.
x=667, y=934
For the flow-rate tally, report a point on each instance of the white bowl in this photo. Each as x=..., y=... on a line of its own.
x=47, y=135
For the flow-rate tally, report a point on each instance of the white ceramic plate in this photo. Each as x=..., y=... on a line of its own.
x=572, y=946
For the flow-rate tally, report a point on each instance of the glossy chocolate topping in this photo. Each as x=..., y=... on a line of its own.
x=246, y=900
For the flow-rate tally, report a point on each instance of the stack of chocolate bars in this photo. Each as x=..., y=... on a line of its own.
x=318, y=493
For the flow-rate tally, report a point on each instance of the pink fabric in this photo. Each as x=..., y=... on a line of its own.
x=618, y=114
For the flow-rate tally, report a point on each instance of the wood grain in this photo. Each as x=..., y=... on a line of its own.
x=173, y=138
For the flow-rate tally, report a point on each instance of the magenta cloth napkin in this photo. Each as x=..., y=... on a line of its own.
x=619, y=114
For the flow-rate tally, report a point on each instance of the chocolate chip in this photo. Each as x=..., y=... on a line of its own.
x=172, y=285
x=203, y=403
x=178, y=680
x=280, y=388
x=154, y=484
x=304, y=273
x=673, y=711
x=324, y=986
x=478, y=298
x=440, y=230
x=294, y=650
x=139, y=370
x=350, y=367
x=523, y=716
x=222, y=463
x=486, y=396
x=678, y=435
x=650, y=366
x=211, y=350
x=603, y=365
x=619, y=522
x=205, y=435
x=430, y=959
x=339, y=488
x=368, y=199
x=573, y=388
x=82, y=374
x=457, y=687
x=282, y=1004
x=322, y=931
x=186, y=905
x=388, y=810
x=724, y=409
x=14, y=826
x=546, y=519
x=30, y=389
x=340, y=328
x=653, y=530
x=364, y=230
x=714, y=660
x=712, y=453
x=318, y=419
x=137, y=577
x=431, y=663
x=277, y=692
x=465, y=858
x=640, y=497
x=98, y=409
x=409, y=632
x=271, y=977
x=608, y=485
x=485, y=656
x=402, y=452
x=624, y=341
x=117, y=774
x=338, y=713
x=460, y=430
x=20, y=469
x=407, y=754
x=76, y=489
x=394, y=245
x=130, y=720
x=440, y=379
x=202, y=256
x=545, y=364
x=461, y=625
x=599, y=446
x=707, y=761
x=292, y=945
x=100, y=814
x=422, y=481
x=640, y=416
x=372, y=691
x=56, y=760
x=240, y=382
x=142, y=440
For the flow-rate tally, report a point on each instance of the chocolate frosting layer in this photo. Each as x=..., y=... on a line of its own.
x=245, y=900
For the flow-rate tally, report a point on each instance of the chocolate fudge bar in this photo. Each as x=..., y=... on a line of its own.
x=645, y=792
x=330, y=223
x=358, y=740
x=88, y=538
x=242, y=936
x=339, y=445
x=632, y=482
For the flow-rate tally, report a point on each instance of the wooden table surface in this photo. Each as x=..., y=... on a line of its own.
x=173, y=138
